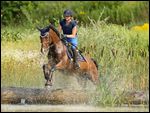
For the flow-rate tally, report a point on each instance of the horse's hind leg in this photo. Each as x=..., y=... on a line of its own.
x=94, y=77
x=94, y=72
x=82, y=80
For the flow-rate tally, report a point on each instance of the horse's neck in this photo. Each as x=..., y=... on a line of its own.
x=58, y=50
x=59, y=46
x=54, y=37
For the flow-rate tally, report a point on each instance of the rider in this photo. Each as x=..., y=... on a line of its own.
x=69, y=27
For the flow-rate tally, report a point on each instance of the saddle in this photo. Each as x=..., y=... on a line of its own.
x=70, y=54
x=69, y=51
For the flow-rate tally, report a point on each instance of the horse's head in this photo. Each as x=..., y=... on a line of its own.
x=45, y=39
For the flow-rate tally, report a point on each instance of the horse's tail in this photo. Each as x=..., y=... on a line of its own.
x=95, y=63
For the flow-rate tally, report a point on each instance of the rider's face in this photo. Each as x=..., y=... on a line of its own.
x=67, y=18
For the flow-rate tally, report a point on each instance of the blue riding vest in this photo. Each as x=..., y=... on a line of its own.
x=67, y=29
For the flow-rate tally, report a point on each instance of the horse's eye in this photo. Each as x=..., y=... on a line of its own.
x=46, y=38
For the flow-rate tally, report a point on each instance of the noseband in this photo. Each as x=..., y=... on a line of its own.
x=47, y=35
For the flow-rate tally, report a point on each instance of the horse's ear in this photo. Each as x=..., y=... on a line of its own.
x=43, y=66
x=38, y=28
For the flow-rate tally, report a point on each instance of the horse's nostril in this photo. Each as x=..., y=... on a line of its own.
x=46, y=77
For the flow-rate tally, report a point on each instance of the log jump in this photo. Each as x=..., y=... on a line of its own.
x=20, y=95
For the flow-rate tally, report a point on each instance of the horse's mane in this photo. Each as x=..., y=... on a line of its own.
x=56, y=31
x=47, y=28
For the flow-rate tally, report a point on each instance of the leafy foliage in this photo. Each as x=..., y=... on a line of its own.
x=11, y=11
x=11, y=36
x=31, y=13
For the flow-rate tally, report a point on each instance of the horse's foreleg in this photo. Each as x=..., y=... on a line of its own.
x=49, y=80
x=58, y=66
x=51, y=71
x=48, y=73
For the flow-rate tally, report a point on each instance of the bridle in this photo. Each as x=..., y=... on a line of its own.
x=47, y=35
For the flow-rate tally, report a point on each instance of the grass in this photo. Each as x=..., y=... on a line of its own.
x=122, y=55
x=25, y=74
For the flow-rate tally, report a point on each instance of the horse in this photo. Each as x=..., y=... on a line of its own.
x=58, y=59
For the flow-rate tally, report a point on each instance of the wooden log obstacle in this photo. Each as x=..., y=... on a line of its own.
x=19, y=95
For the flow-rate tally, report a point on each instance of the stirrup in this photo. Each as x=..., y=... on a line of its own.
x=77, y=66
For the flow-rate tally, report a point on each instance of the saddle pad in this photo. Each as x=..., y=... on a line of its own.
x=79, y=58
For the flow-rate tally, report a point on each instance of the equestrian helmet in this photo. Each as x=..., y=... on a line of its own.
x=68, y=13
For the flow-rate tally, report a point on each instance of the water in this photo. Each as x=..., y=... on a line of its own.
x=66, y=81
x=70, y=108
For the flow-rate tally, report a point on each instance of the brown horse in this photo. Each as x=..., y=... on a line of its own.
x=51, y=42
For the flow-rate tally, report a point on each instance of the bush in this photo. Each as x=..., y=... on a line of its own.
x=42, y=12
x=11, y=36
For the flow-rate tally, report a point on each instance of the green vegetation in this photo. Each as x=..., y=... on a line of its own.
x=123, y=56
x=32, y=13
x=121, y=52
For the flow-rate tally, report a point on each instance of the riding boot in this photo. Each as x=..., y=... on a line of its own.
x=75, y=55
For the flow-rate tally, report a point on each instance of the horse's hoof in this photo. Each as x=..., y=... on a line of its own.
x=47, y=86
